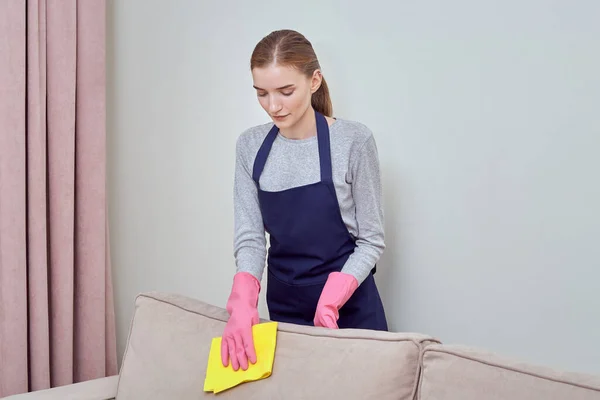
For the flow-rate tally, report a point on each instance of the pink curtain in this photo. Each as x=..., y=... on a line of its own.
x=56, y=312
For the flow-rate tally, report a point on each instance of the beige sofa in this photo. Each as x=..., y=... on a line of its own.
x=170, y=337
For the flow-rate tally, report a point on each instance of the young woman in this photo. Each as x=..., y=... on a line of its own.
x=312, y=182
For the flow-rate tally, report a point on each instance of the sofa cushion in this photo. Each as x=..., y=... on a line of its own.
x=459, y=372
x=169, y=341
x=95, y=389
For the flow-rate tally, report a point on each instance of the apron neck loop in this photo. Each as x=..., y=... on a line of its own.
x=324, y=150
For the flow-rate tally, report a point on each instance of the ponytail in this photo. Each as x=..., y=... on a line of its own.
x=321, y=100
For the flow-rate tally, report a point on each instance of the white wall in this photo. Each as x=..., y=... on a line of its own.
x=486, y=117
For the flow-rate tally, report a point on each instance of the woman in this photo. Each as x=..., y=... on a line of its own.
x=312, y=182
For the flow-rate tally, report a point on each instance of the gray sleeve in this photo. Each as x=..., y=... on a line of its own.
x=367, y=194
x=249, y=235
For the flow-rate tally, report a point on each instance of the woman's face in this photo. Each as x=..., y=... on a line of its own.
x=284, y=93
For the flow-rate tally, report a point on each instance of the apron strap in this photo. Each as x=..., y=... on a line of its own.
x=263, y=153
x=324, y=148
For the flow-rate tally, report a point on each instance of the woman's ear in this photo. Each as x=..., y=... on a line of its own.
x=316, y=80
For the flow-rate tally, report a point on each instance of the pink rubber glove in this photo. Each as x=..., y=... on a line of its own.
x=337, y=291
x=237, y=344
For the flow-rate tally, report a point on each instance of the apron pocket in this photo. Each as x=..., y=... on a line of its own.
x=290, y=303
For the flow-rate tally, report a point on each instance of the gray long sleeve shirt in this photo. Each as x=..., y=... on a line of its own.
x=295, y=162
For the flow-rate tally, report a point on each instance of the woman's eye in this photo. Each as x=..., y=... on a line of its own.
x=261, y=94
x=287, y=93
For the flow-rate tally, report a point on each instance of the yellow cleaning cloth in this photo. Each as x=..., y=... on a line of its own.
x=220, y=378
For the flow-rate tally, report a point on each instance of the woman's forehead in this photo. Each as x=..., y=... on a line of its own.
x=275, y=77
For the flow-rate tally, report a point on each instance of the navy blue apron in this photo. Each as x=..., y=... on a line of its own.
x=308, y=241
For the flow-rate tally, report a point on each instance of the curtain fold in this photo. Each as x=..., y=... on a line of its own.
x=13, y=231
x=56, y=308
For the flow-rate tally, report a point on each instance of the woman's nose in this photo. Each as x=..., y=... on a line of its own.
x=274, y=106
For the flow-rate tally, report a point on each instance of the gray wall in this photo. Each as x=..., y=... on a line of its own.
x=486, y=117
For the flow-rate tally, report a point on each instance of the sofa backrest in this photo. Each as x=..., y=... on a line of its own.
x=169, y=341
x=463, y=373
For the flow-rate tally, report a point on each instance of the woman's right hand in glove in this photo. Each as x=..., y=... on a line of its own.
x=237, y=345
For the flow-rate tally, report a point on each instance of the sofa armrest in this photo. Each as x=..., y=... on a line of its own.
x=95, y=389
